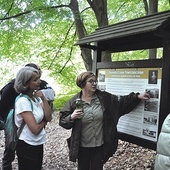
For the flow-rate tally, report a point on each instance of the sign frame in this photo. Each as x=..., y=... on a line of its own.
x=150, y=64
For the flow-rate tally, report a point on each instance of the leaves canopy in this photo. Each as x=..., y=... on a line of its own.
x=44, y=32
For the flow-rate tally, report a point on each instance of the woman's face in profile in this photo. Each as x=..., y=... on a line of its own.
x=35, y=81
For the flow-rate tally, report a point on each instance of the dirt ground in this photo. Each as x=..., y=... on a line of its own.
x=127, y=157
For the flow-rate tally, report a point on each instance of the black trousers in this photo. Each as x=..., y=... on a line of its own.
x=29, y=157
x=8, y=157
x=90, y=158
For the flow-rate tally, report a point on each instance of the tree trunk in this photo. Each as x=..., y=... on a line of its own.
x=151, y=8
x=100, y=9
x=81, y=32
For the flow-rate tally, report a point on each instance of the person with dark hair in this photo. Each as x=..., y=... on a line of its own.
x=29, y=147
x=8, y=95
x=94, y=135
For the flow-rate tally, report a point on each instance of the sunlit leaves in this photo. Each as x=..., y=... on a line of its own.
x=43, y=32
x=135, y=55
x=121, y=10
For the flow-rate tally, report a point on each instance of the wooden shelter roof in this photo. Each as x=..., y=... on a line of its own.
x=141, y=33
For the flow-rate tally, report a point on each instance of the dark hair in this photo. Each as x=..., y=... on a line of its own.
x=81, y=78
x=34, y=66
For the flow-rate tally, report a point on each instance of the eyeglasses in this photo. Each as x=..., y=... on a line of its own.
x=92, y=81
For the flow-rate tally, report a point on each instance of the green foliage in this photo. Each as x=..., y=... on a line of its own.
x=134, y=55
x=88, y=15
x=41, y=32
x=60, y=102
x=123, y=10
x=163, y=5
x=61, y=99
x=130, y=55
x=45, y=40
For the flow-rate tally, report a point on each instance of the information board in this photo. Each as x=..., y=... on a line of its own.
x=143, y=121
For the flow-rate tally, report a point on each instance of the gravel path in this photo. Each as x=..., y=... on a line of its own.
x=127, y=157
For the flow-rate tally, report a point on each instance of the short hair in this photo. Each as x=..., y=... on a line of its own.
x=34, y=66
x=23, y=77
x=81, y=78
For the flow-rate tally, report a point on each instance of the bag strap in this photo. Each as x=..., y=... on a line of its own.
x=21, y=128
x=23, y=123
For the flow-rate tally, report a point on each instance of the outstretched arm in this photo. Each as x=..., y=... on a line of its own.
x=129, y=102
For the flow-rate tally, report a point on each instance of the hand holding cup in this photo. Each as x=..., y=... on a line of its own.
x=77, y=114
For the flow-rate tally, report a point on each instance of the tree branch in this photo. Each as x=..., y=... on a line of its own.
x=9, y=10
x=29, y=11
x=120, y=7
x=61, y=45
x=65, y=40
